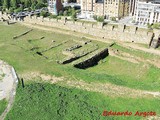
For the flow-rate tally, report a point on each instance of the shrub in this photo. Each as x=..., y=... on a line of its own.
x=58, y=17
x=113, y=18
x=65, y=13
x=74, y=15
x=40, y=5
x=100, y=19
x=53, y=16
x=44, y=14
x=133, y=21
x=149, y=25
x=1, y=8
x=156, y=26
x=70, y=11
x=33, y=6
x=60, y=13
x=18, y=10
x=95, y=17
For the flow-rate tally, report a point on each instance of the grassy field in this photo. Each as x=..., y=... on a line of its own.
x=3, y=104
x=43, y=101
x=21, y=53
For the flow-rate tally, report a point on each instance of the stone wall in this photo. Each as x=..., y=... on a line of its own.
x=93, y=59
x=114, y=32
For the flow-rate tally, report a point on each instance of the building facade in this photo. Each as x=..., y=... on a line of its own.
x=132, y=7
x=147, y=12
x=72, y=1
x=107, y=8
x=54, y=6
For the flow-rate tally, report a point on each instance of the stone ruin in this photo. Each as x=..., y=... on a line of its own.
x=92, y=59
x=71, y=56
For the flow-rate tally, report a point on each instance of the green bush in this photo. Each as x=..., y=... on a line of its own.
x=33, y=6
x=1, y=8
x=18, y=10
x=59, y=17
x=70, y=11
x=100, y=19
x=40, y=5
x=53, y=16
x=60, y=13
x=133, y=21
x=11, y=10
x=113, y=18
x=156, y=26
x=44, y=14
x=65, y=13
x=74, y=15
x=95, y=17
x=149, y=25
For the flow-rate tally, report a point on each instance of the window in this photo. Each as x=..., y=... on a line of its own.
x=99, y=1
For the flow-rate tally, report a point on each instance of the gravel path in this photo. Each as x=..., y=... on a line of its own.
x=7, y=86
x=135, y=46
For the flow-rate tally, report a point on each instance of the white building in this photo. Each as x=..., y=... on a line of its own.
x=54, y=6
x=106, y=8
x=147, y=12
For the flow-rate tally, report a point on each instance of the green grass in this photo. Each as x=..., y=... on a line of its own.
x=43, y=101
x=3, y=105
x=113, y=70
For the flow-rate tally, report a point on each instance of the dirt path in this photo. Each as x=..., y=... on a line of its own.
x=132, y=58
x=119, y=54
x=112, y=90
x=135, y=46
x=8, y=86
x=104, y=88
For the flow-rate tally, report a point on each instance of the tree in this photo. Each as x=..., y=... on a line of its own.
x=44, y=14
x=7, y=4
x=11, y=10
x=27, y=3
x=14, y=3
x=74, y=15
x=1, y=1
x=40, y=5
x=18, y=10
x=33, y=6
